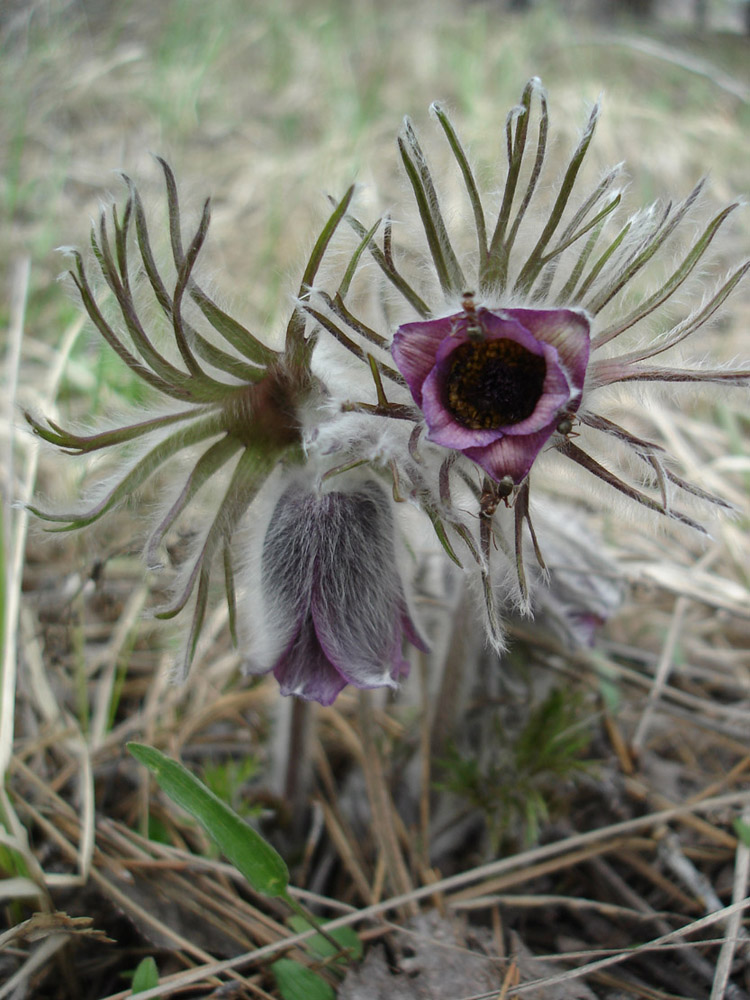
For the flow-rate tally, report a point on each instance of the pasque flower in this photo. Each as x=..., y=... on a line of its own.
x=333, y=605
x=495, y=385
x=501, y=354
x=223, y=391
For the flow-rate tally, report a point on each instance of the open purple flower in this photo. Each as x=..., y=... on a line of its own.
x=495, y=385
x=335, y=608
x=571, y=299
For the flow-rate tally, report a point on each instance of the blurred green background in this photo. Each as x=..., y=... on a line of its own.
x=269, y=106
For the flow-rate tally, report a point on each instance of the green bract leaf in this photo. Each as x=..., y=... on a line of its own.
x=446, y=263
x=262, y=866
x=297, y=982
x=442, y=534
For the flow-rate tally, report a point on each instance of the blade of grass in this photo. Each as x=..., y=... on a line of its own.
x=262, y=866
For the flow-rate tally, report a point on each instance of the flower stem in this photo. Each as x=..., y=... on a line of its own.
x=292, y=769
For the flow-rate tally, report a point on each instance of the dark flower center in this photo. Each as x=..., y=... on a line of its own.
x=493, y=383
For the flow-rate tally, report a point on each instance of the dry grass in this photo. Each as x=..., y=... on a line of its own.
x=638, y=883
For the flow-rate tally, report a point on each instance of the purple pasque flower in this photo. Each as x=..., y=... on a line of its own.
x=495, y=384
x=552, y=271
x=334, y=605
x=571, y=299
x=233, y=404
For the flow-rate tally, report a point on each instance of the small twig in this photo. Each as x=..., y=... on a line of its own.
x=642, y=792
x=734, y=929
x=663, y=670
x=666, y=660
x=381, y=806
x=425, y=763
x=36, y=960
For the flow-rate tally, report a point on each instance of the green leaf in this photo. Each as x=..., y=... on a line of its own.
x=667, y=290
x=442, y=534
x=535, y=261
x=262, y=866
x=146, y=976
x=297, y=982
x=468, y=176
x=322, y=242
x=232, y=331
x=352, y=266
x=386, y=265
x=322, y=948
x=144, y=468
x=448, y=269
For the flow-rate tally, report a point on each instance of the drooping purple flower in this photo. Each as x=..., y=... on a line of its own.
x=224, y=395
x=335, y=612
x=495, y=385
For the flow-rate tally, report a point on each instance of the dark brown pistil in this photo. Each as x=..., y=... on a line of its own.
x=493, y=384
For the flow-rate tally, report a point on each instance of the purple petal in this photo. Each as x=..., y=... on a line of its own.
x=411, y=632
x=415, y=347
x=556, y=394
x=505, y=324
x=443, y=427
x=305, y=671
x=446, y=430
x=370, y=666
x=565, y=329
x=510, y=456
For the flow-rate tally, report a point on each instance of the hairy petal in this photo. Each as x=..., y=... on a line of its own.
x=357, y=598
x=287, y=567
x=305, y=671
x=332, y=594
x=510, y=456
x=415, y=347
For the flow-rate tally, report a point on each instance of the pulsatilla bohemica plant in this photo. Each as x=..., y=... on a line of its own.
x=502, y=352
x=462, y=382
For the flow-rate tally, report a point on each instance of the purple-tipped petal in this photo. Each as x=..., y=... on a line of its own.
x=357, y=595
x=566, y=330
x=511, y=456
x=331, y=583
x=414, y=349
x=305, y=671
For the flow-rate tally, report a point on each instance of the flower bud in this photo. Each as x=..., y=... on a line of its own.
x=334, y=608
